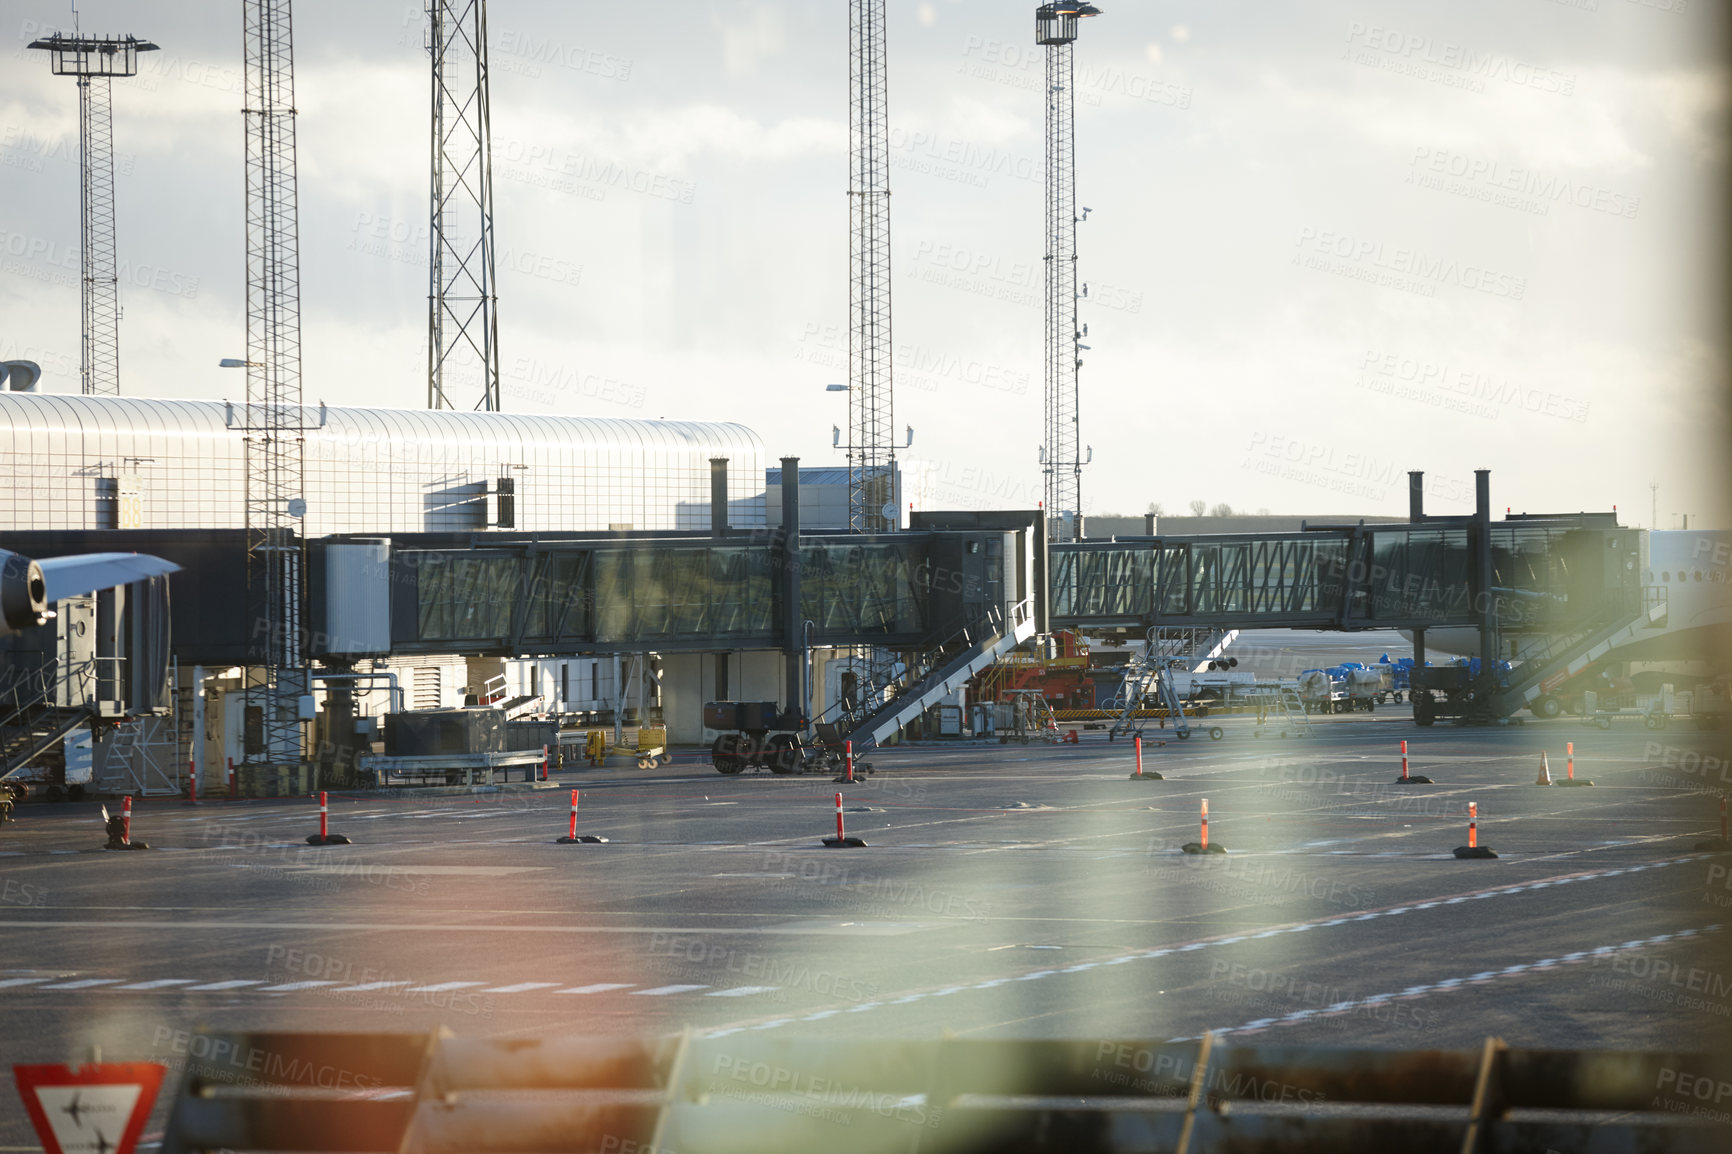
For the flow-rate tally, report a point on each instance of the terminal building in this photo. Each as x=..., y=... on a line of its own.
x=626, y=570
x=76, y=464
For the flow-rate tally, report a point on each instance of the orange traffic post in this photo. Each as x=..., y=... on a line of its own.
x=1473, y=849
x=1410, y=779
x=842, y=840
x=1203, y=845
x=1139, y=775
x=325, y=836
x=572, y=837
x=119, y=827
x=1570, y=767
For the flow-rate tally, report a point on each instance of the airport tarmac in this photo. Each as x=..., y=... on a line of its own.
x=1006, y=891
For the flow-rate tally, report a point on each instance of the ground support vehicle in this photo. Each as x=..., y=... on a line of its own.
x=759, y=734
x=651, y=748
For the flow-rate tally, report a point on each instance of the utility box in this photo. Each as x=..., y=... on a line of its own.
x=949, y=721
x=429, y=732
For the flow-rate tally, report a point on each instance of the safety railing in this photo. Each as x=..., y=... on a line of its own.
x=421, y=1093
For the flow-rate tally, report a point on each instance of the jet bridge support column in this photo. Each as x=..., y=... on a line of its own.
x=1416, y=515
x=1484, y=601
x=718, y=497
x=793, y=633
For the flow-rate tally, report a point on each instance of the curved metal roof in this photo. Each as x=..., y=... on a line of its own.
x=88, y=415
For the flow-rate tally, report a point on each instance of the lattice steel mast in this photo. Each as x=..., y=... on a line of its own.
x=93, y=60
x=871, y=407
x=462, y=325
x=274, y=424
x=1061, y=452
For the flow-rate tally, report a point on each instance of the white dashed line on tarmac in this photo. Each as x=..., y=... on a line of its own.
x=159, y=984
x=290, y=986
x=1448, y=984
x=598, y=988
x=442, y=986
x=1165, y=951
x=660, y=990
x=369, y=987
x=82, y=984
x=521, y=987
x=232, y=985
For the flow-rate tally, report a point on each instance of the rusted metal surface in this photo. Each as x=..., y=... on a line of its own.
x=430, y=1094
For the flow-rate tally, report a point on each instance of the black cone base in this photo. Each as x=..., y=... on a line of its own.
x=1415, y=779
x=1478, y=851
x=1197, y=847
x=328, y=839
x=582, y=839
x=1147, y=775
x=126, y=845
x=844, y=843
x=1572, y=781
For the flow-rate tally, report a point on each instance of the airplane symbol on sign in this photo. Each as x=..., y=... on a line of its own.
x=74, y=1108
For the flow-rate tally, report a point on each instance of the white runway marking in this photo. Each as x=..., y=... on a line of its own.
x=10, y=982
x=369, y=986
x=287, y=986
x=741, y=991
x=159, y=984
x=232, y=985
x=445, y=986
x=82, y=984
x=599, y=988
x=1449, y=984
x=659, y=990
x=521, y=987
x=1164, y=951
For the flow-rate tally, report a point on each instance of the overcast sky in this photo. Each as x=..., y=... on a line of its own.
x=1329, y=241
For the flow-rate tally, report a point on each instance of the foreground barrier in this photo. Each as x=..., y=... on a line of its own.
x=706, y=1095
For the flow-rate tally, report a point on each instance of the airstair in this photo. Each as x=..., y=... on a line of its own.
x=1145, y=676
x=950, y=668
x=1557, y=658
x=41, y=707
x=1279, y=708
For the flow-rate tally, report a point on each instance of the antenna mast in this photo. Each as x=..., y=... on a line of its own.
x=1061, y=457
x=871, y=409
x=93, y=60
x=274, y=425
x=462, y=322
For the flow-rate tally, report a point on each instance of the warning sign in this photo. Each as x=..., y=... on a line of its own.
x=90, y=1109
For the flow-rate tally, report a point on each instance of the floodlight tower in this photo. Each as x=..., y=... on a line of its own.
x=1061, y=456
x=871, y=409
x=274, y=425
x=94, y=61
x=462, y=326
